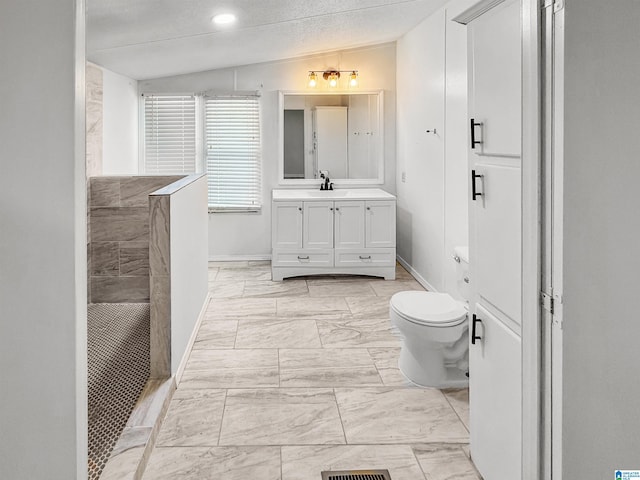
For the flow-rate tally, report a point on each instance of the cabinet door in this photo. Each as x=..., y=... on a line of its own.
x=349, y=224
x=317, y=231
x=495, y=74
x=286, y=225
x=380, y=223
x=497, y=270
x=495, y=395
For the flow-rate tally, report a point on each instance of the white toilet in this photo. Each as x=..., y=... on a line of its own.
x=434, y=329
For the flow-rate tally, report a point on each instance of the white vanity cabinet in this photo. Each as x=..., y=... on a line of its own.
x=333, y=232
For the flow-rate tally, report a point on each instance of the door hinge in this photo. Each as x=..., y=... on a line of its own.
x=547, y=302
x=556, y=4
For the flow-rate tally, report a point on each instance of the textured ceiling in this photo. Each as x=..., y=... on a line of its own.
x=156, y=38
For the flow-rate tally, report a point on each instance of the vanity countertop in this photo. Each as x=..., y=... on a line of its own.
x=338, y=194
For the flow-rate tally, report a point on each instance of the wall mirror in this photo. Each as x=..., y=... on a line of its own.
x=335, y=132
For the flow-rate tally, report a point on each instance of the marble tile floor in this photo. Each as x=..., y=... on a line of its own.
x=287, y=379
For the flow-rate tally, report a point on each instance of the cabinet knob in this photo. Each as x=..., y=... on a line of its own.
x=300, y=208
x=331, y=208
x=368, y=208
x=337, y=208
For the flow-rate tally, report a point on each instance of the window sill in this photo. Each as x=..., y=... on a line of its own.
x=256, y=209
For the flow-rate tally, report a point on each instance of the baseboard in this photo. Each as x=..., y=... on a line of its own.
x=238, y=258
x=415, y=274
x=192, y=340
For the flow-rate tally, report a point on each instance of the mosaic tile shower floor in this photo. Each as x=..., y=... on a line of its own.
x=118, y=359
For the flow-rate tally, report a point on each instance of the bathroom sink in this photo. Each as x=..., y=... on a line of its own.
x=335, y=193
x=343, y=193
x=323, y=193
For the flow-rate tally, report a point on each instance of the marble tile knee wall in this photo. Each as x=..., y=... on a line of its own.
x=118, y=232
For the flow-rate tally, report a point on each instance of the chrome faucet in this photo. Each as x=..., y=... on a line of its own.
x=327, y=185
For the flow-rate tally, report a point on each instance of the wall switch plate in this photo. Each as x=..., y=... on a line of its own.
x=404, y=177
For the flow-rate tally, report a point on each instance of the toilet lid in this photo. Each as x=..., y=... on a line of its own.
x=428, y=308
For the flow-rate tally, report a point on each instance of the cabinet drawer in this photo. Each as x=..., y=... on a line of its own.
x=289, y=258
x=378, y=257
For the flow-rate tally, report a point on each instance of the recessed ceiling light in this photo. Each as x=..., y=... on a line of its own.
x=224, y=19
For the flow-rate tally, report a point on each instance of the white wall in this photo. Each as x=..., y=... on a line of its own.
x=421, y=94
x=248, y=235
x=120, y=124
x=456, y=172
x=189, y=252
x=43, y=280
x=433, y=198
x=601, y=261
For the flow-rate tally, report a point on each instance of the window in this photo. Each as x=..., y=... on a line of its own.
x=231, y=152
x=169, y=134
x=232, y=149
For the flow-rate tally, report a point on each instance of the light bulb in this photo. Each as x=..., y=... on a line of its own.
x=353, y=79
x=333, y=81
x=224, y=19
x=313, y=80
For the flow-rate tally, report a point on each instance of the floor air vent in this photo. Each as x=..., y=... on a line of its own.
x=357, y=475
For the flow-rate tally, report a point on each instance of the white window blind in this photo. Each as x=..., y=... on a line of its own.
x=232, y=148
x=169, y=134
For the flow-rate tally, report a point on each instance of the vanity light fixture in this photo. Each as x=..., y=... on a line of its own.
x=332, y=76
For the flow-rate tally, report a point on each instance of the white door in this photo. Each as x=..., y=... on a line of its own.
x=317, y=230
x=330, y=133
x=495, y=216
x=380, y=224
x=496, y=393
x=286, y=228
x=349, y=224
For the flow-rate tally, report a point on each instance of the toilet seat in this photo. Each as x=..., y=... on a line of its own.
x=428, y=308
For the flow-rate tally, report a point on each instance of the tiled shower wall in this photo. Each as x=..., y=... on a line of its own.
x=119, y=237
x=93, y=119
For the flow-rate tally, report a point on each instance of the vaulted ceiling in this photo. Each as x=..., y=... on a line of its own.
x=145, y=39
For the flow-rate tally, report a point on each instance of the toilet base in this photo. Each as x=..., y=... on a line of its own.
x=433, y=375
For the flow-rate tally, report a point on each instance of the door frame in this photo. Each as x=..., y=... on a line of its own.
x=542, y=183
x=552, y=239
x=533, y=390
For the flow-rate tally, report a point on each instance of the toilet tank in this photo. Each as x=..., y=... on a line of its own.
x=461, y=258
